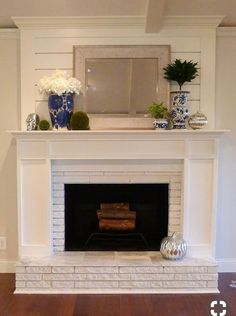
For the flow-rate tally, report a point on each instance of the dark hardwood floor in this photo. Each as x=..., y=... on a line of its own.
x=114, y=305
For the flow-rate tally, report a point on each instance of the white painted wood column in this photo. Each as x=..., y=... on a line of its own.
x=34, y=203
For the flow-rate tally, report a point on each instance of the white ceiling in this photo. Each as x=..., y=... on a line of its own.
x=10, y=8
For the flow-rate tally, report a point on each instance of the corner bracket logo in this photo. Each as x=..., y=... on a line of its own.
x=214, y=304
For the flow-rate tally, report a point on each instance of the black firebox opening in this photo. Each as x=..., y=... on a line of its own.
x=150, y=201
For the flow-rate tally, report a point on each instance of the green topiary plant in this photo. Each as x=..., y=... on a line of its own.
x=79, y=121
x=181, y=71
x=44, y=125
x=158, y=110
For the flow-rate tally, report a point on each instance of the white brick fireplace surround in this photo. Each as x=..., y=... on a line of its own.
x=108, y=171
x=187, y=160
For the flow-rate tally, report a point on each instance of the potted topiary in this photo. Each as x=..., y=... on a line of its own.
x=160, y=112
x=181, y=72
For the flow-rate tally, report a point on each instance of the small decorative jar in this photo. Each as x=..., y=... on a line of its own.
x=197, y=120
x=160, y=123
x=173, y=247
x=60, y=110
x=179, y=108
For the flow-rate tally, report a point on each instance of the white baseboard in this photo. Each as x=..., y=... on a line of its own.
x=7, y=266
x=227, y=264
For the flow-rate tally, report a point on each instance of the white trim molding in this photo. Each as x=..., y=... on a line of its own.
x=9, y=34
x=227, y=264
x=194, y=22
x=114, y=22
x=7, y=266
x=79, y=22
x=226, y=32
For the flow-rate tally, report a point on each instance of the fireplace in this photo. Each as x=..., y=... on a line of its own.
x=149, y=202
x=78, y=192
x=169, y=161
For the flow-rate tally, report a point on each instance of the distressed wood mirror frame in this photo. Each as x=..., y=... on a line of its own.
x=99, y=58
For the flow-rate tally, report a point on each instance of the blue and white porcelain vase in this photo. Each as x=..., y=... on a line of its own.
x=179, y=108
x=60, y=110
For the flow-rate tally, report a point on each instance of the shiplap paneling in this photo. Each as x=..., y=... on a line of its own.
x=195, y=57
x=39, y=73
x=52, y=48
x=65, y=45
x=53, y=61
x=56, y=52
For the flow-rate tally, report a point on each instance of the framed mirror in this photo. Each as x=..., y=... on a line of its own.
x=121, y=81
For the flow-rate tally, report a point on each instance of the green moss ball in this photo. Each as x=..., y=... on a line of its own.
x=44, y=125
x=79, y=121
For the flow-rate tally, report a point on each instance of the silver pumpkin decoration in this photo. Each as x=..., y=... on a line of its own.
x=173, y=247
x=197, y=120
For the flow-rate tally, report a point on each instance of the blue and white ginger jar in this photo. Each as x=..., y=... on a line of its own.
x=60, y=110
x=179, y=108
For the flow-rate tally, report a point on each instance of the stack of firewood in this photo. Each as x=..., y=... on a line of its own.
x=116, y=216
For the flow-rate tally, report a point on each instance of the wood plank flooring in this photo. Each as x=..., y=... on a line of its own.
x=114, y=305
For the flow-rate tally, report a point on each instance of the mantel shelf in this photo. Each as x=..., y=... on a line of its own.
x=204, y=133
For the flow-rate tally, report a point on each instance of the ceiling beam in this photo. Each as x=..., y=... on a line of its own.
x=154, y=15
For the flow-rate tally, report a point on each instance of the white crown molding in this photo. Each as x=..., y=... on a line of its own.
x=7, y=266
x=79, y=22
x=226, y=31
x=193, y=21
x=227, y=265
x=196, y=22
x=9, y=34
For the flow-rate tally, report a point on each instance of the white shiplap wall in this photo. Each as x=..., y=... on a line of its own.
x=45, y=48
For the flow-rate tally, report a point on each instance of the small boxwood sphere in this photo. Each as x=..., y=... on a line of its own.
x=44, y=125
x=79, y=121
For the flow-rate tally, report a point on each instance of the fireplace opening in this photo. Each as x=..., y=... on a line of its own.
x=115, y=217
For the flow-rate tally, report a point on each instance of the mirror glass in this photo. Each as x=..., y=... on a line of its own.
x=121, y=80
x=120, y=85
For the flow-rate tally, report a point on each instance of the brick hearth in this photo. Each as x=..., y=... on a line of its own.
x=115, y=272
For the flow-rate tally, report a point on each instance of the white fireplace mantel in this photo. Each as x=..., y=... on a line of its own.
x=195, y=150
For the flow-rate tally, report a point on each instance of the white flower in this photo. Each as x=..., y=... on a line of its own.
x=59, y=83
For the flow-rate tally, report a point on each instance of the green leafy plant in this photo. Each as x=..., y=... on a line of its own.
x=181, y=71
x=44, y=125
x=158, y=110
x=79, y=121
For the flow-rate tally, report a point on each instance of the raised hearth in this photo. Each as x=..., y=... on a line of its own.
x=115, y=272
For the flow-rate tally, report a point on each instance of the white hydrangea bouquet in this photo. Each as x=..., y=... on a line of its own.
x=59, y=83
x=60, y=88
